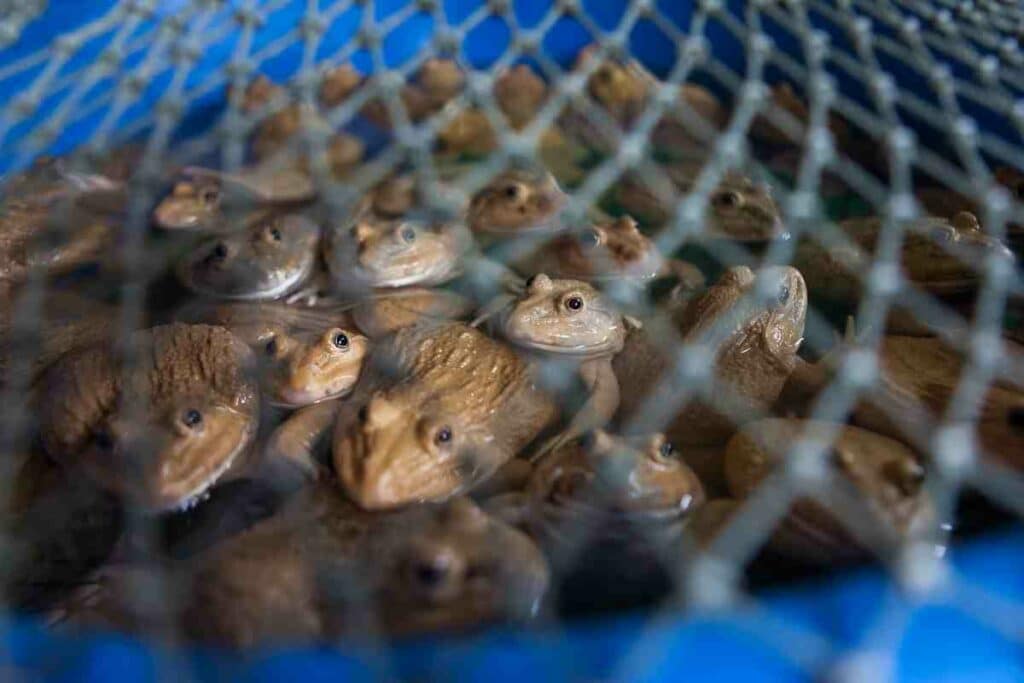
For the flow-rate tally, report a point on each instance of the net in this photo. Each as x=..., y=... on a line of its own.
x=874, y=146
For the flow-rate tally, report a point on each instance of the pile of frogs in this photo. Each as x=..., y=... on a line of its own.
x=394, y=419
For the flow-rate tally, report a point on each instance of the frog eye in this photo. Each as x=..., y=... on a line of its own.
x=209, y=196
x=782, y=297
x=443, y=436
x=407, y=233
x=1015, y=418
x=667, y=450
x=727, y=199
x=590, y=239
x=340, y=340
x=574, y=302
x=943, y=234
x=218, y=253
x=272, y=234
x=514, y=191
x=103, y=439
x=271, y=347
x=192, y=418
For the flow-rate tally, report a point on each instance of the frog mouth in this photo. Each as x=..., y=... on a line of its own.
x=281, y=281
x=578, y=493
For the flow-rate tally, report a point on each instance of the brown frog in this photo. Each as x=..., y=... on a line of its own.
x=944, y=201
x=570, y=320
x=883, y=476
x=784, y=97
x=435, y=84
x=607, y=250
x=305, y=355
x=315, y=571
x=373, y=252
x=937, y=255
x=272, y=257
x=602, y=479
x=752, y=340
x=442, y=408
x=520, y=93
x=516, y=202
x=739, y=209
x=160, y=431
x=624, y=90
x=918, y=378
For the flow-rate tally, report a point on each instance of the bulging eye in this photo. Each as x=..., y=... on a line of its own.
x=209, y=196
x=782, y=297
x=273, y=234
x=443, y=435
x=574, y=302
x=192, y=418
x=513, y=190
x=408, y=234
x=271, y=347
x=590, y=239
x=667, y=450
x=219, y=252
x=727, y=199
x=103, y=439
x=340, y=340
x=1015, y=418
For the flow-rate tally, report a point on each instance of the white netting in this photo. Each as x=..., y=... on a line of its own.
x=893, y=110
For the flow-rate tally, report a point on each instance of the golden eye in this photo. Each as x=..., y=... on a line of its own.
x=443, y=435
x=574, y=302
x=727, y=199
x=340, y=340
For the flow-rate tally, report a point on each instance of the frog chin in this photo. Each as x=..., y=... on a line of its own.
x=292, y=397
x=277, y=283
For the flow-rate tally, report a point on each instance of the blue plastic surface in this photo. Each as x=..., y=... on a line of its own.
x=854, y=621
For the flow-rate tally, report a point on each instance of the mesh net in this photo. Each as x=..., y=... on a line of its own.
x=758, y=134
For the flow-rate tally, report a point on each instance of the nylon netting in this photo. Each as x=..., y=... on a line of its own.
x=884, y=99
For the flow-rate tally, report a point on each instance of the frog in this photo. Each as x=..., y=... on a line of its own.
x=519, y=93
x=609, y=480
x=51, y=239
x=562, y=320
x=739, y=209
x=885, y=476
x=945, y=201
x=272, y=257
x=785, y=97
x=608, y=250
x=443, y=406
x=210, y=201
x=437, y=82
x=370, y=252
x=301, y=443
x=309, y=574
x=753, y=341
x=518, y=201
x=306, y=356
x=158, y=432
x=938, y=255
x=918, y=377
x=624, y=90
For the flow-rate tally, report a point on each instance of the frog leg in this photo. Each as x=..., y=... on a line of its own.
x=292, y=449
x=600, y=408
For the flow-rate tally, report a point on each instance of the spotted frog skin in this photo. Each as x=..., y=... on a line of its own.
x=518, y=201
x=159, y=432
x=605, y=478
x=305, y=355
x=272, y=257
x=372, y=252
x=610, y=250
x=739, y=209
x=753, y=341
x=885, y=477
x=918, y=378
x=940, y=256
x=443, y=406
x=448, y=567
